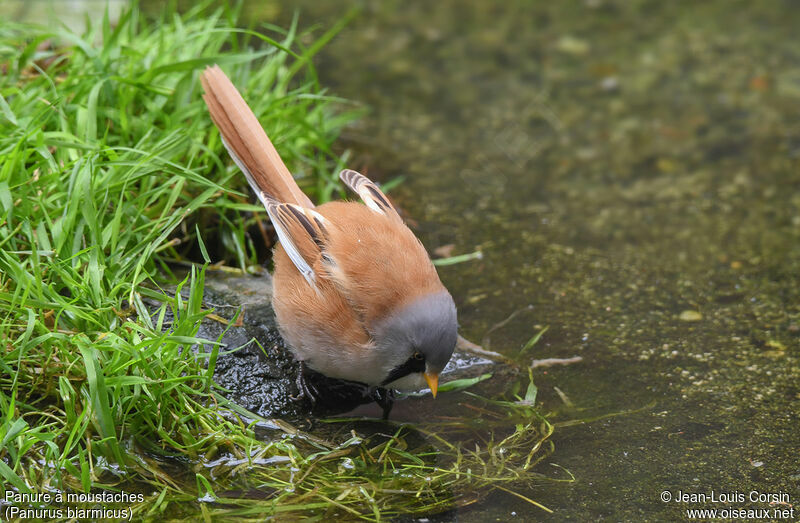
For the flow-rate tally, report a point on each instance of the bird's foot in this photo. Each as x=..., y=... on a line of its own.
x=306, y=388
x=385, y=400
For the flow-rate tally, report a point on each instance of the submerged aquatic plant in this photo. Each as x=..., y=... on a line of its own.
x=417, y=469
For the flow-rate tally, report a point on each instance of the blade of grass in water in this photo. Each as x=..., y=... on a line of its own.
x=461, y=258
x=533, y=341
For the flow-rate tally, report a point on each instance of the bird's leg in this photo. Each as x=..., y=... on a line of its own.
x=385, y=400
x=307, y=389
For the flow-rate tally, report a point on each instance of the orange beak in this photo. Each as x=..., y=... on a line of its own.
x=433, y=382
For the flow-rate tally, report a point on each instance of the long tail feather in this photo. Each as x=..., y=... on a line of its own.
x=247, y=142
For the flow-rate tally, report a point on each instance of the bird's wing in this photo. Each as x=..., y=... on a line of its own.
x=374, y=260
x=369, y=193
x=302, y=232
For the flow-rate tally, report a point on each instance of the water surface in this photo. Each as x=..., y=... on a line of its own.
x=631, y=172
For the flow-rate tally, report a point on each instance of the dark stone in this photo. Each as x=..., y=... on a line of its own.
x=258, y=371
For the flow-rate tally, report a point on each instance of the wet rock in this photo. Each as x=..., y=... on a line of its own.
x=254, y=364
x=257, y=369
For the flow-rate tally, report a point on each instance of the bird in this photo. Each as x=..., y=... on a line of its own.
x=355, y=294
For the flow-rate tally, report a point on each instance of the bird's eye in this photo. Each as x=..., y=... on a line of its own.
x=418, y=356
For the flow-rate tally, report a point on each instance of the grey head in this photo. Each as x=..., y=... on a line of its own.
x=416, y=341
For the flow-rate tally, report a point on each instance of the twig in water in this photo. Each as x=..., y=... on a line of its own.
x=465, y=345
x=563, y=397
x=549, y=362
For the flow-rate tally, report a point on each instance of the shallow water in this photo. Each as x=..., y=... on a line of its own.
x=631, y=172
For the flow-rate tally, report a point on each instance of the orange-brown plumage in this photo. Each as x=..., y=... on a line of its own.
x=242, y=132
x=355, y=293
x=376, y=278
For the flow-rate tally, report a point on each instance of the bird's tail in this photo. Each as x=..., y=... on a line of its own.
x=247, y=143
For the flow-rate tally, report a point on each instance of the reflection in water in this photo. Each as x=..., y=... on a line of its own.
x=630, y=172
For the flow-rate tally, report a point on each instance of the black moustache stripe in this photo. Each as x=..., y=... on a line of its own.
x=409, y=367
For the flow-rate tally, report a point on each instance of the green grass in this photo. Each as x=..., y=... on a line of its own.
x=110, y=169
